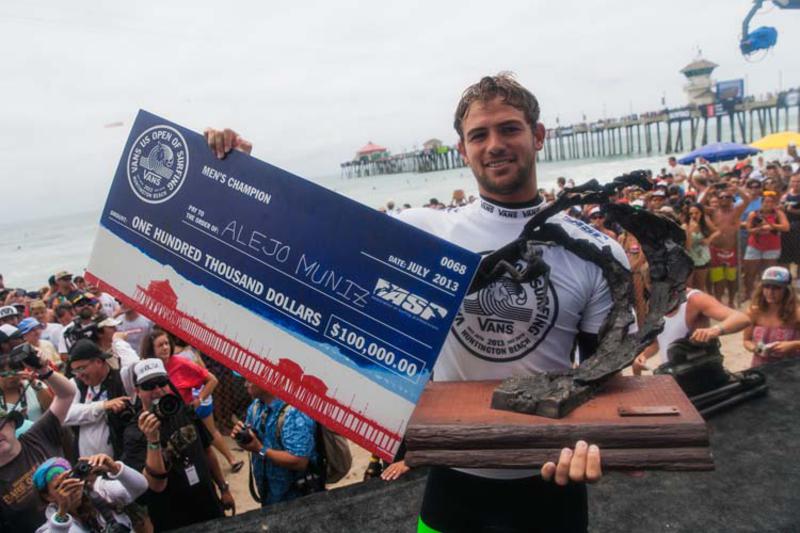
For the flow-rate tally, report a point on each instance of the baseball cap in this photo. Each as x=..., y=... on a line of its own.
x=85, y=349
x=10, y=331
x=63, y=274
x=776, y=276
x=8, y=310
x=83, y=296
x=148, y=369
x=595, y=211
x=10, y=416
x=659, y=192
x=29, y=324
x=108, y=322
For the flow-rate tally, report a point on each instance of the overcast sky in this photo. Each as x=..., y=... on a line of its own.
x=311, y=82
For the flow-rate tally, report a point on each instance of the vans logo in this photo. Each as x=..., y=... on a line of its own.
x=400, y=297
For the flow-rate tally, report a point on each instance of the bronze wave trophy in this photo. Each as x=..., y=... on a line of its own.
x=639, y=422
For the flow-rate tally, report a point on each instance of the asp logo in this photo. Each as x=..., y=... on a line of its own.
x=400, y=297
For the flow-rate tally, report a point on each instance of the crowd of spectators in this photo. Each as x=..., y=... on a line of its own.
x=107, y=421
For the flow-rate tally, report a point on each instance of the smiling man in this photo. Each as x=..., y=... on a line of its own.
x=507, y=328
x=510, y=328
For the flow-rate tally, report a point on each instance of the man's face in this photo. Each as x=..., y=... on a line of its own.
x=754, y=188
x=11, y=319
x=7, y=439
x=33, y=336
x=84, y=309
x=153, y=389
x=656, y=203
x=106, y=334
x=256, y=392
x=40, y=314
x=794, y=183
x=500, y=148
x=92, y=372
x=9, y=379
x=64, y=284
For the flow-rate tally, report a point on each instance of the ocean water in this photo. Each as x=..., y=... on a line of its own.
x=33, y=251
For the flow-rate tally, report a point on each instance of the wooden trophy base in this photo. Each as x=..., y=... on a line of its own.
x=639, y=422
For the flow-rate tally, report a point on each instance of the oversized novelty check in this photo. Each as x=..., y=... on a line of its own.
x=334, y=307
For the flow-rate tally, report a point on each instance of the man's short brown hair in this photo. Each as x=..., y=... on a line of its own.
x=504, y=86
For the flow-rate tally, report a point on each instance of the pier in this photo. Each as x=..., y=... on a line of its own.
x=674, y=131
x=716, y=112
x=427, y=160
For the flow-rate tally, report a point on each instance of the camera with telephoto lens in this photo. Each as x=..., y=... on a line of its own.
x=243, y=437
x=24, y=356
x=81, y=471
x=165, y=407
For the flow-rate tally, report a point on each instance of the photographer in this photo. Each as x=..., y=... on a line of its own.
x=281, y=442
x=83, y=306
x=172, y=448
x=102, y=408
x=20, y=391
x=21, y=509
x=85, y=498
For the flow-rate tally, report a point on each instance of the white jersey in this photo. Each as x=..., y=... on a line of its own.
x=510, y=329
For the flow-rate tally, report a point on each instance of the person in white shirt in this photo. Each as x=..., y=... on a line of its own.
x=135, y=326
x=98, y=412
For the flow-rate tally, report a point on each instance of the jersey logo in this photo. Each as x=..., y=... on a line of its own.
x=506, y=320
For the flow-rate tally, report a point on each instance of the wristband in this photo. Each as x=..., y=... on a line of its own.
x=45, y=376
x=719, y=328
x=153, y=445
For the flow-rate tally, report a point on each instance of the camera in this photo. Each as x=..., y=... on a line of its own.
x=757, y=220
x=126, y=414
x=309, y=483
x=243, y=437
x=78, y=331
x=81, y=471
x=23, y=356
x=165, y=407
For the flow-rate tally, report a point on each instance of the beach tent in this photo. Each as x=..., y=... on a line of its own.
x=719, y=152
x=777, y=141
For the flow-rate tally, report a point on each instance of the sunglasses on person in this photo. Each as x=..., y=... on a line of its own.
x=725, y=197
x=154, y=384
x=595, y=216
x=754, y=186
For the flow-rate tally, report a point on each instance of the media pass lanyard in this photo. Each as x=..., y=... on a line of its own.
x=191, y=472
